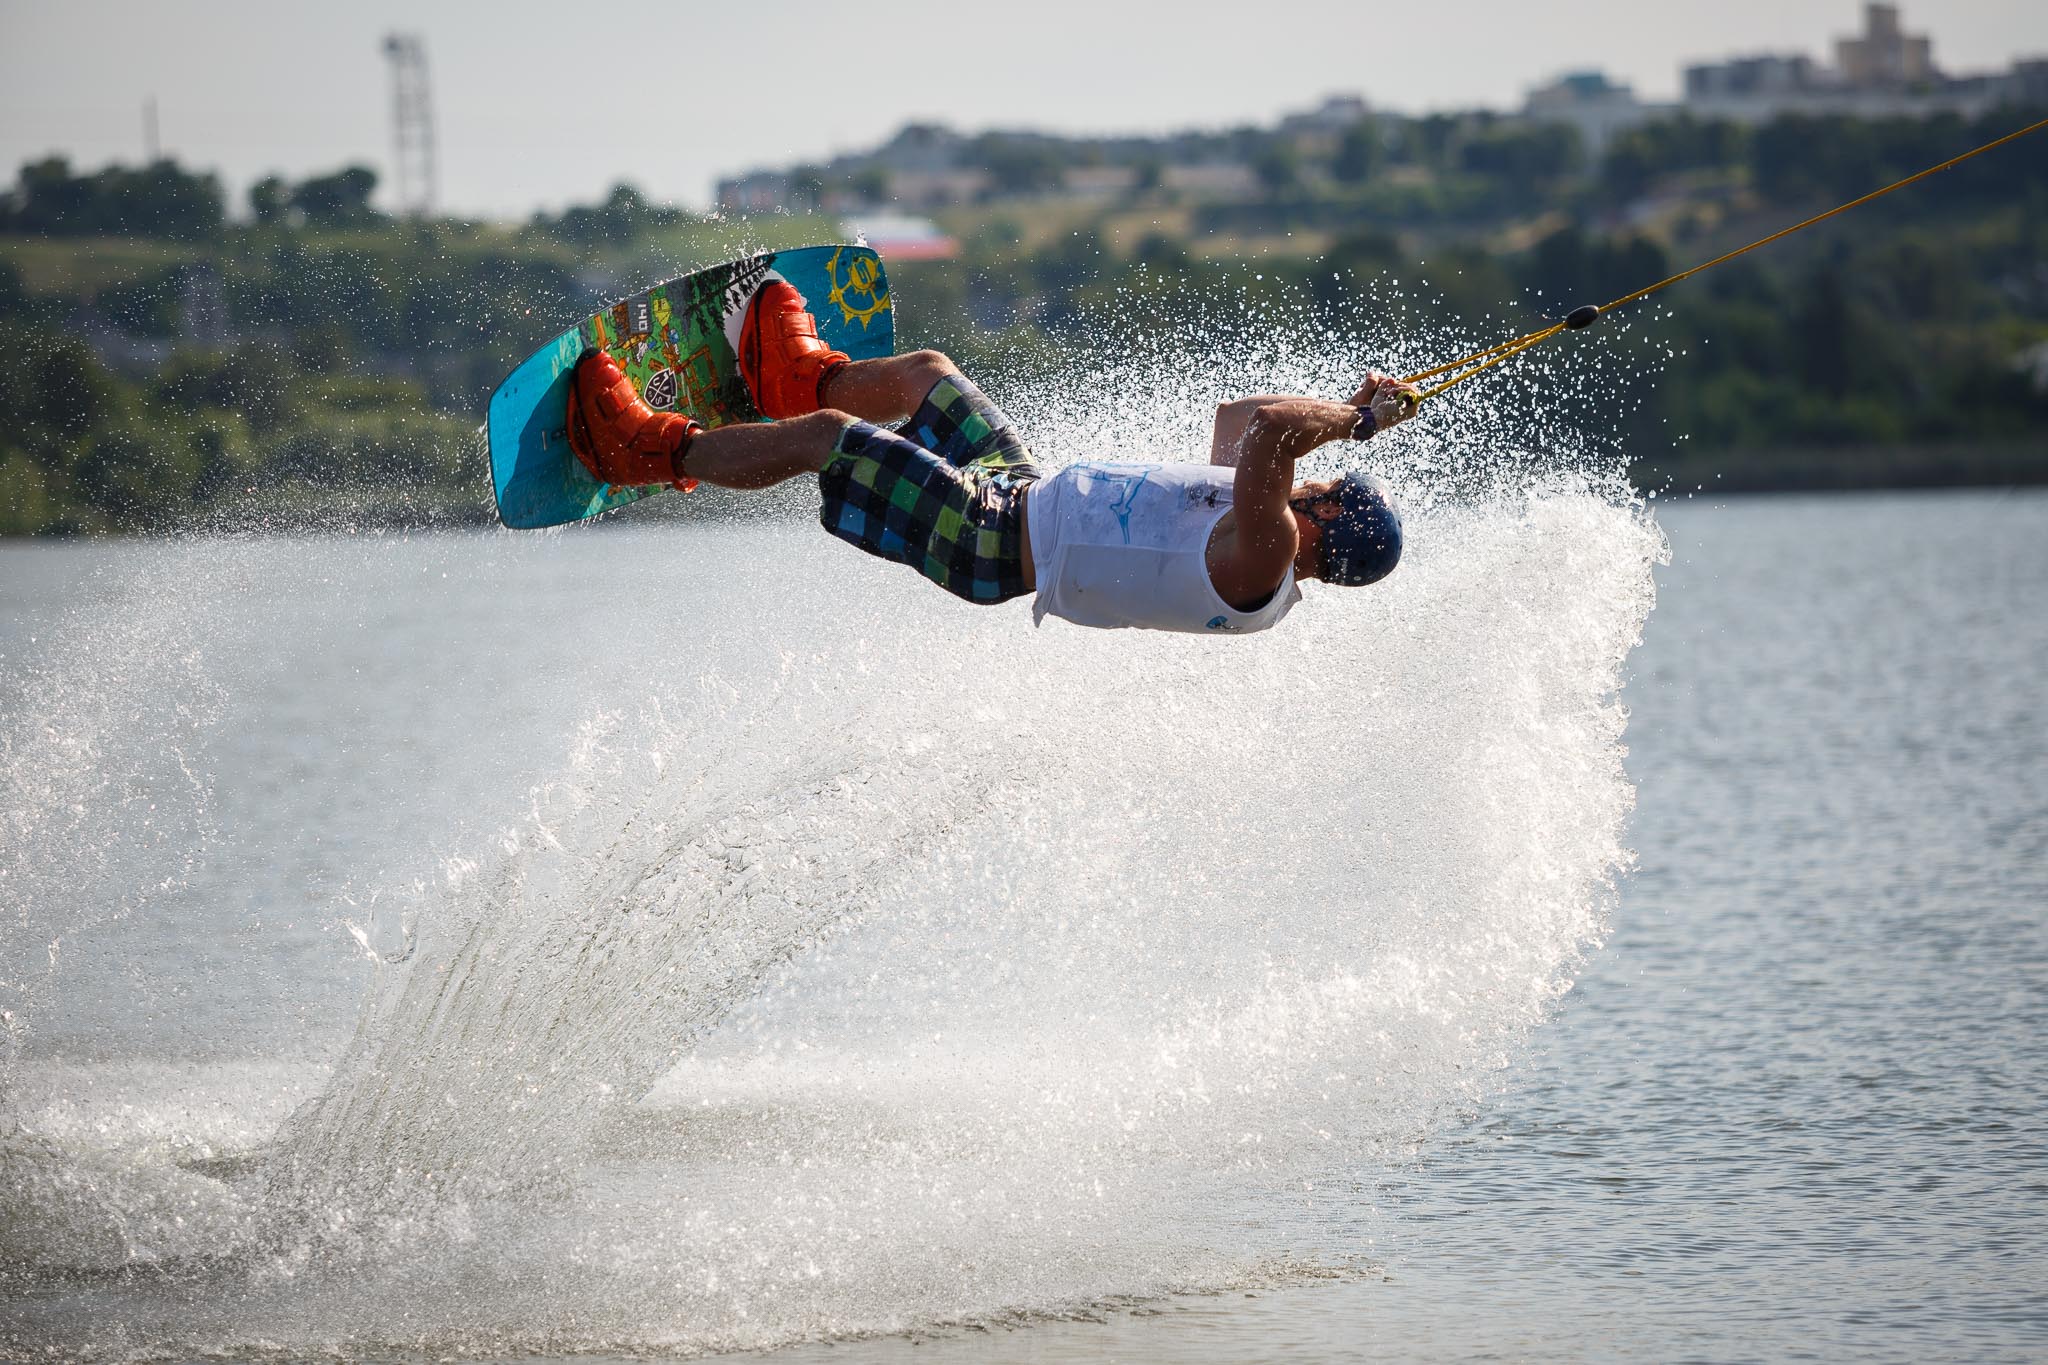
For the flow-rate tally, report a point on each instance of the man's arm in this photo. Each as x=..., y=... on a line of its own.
x=1231, y=420
x=1274, y=436
x=1233, y=417
x=1271, y=434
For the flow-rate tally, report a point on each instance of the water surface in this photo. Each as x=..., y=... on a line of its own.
x=1194, y=988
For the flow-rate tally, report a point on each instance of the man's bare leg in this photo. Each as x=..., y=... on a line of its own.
x=889, y=389
x=760, y=456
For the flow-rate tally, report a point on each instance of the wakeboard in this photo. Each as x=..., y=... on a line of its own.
x=671, y=342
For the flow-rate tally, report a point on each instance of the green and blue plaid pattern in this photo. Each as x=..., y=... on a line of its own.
x=943, y=496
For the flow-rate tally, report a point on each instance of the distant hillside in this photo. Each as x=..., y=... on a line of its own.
x=176, y=361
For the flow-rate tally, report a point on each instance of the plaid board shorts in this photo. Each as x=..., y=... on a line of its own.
x=943, y=495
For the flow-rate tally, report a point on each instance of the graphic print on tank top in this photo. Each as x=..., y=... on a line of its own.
x=1126, y=545
x=1126, y=485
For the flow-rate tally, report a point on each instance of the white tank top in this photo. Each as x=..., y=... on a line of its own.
x=1127, y=545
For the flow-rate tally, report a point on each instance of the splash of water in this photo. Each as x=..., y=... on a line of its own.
x=647, y=893
x=891, y=965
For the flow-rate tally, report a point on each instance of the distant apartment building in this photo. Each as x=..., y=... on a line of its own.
x=1590, y=102
x=1883, y=71
x=1885, y=56
x=1770, y=76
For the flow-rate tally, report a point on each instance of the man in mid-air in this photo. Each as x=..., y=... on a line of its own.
x=953, y=492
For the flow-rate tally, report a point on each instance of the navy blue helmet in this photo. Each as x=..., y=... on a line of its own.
x=1363, y=544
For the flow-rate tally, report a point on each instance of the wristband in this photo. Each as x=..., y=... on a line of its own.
x=1366, y=425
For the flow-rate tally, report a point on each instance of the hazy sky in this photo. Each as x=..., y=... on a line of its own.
x=542, y=105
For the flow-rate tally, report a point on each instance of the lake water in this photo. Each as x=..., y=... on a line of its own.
x=683, y=939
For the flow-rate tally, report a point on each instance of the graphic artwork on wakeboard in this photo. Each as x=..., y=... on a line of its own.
x=671, y=343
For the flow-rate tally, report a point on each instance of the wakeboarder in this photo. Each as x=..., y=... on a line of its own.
x=952, y=491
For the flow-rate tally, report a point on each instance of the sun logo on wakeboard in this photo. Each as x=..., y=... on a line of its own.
x=855, y=295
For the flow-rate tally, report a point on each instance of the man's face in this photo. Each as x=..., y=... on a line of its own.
x=1316, y=501
x=1314, y=506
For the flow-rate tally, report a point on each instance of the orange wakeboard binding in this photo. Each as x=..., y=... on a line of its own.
x=619, y=439
x=783, y=362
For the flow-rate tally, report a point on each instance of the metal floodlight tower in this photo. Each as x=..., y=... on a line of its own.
x=412, y=122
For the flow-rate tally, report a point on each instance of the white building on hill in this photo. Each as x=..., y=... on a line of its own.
x=1591, y=103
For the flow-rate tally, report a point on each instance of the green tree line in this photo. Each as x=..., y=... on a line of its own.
x=176, y=360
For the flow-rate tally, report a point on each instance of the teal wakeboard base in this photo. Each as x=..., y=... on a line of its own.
x=671, y=343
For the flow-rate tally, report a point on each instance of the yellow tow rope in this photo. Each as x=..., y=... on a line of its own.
x=1582, y=316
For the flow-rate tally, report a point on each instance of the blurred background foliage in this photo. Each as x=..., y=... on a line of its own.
x=172, y=359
